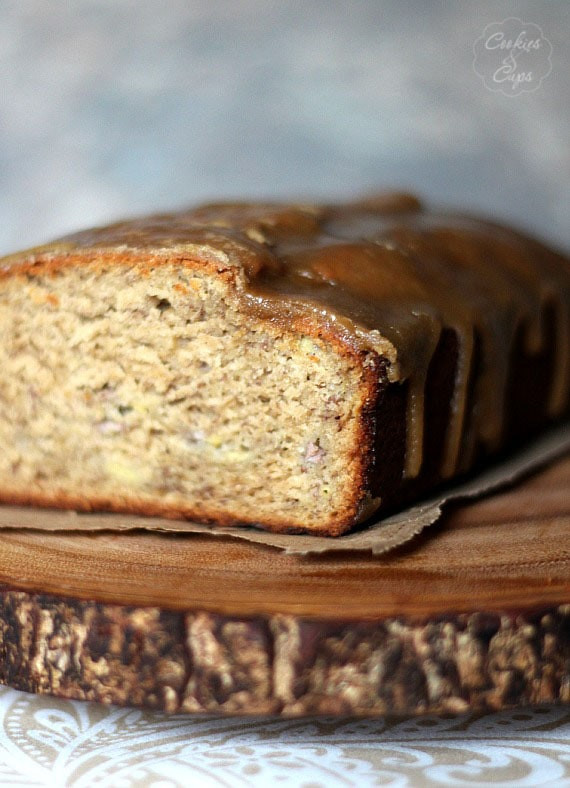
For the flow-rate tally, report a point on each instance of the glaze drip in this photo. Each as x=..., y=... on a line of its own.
x=385, y=275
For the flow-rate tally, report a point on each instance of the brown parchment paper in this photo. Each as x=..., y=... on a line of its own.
x=378, y=537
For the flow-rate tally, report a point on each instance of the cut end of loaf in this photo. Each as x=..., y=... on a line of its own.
x=147, y=389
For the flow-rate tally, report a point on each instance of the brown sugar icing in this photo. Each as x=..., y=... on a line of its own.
x=386, y=275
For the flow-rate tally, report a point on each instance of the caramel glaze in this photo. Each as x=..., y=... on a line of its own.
x=388, y=276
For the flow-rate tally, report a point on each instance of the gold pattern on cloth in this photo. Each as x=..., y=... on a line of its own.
x=57, y=743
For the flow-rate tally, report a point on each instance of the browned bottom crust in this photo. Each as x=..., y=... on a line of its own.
x=219, y=519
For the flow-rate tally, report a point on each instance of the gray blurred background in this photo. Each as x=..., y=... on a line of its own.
x=112, y=108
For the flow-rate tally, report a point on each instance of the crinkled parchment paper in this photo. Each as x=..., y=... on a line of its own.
x=377, y=537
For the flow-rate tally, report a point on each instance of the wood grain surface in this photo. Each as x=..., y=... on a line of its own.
x=474, y=614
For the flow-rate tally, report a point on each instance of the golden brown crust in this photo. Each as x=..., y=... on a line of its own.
x=219, y=518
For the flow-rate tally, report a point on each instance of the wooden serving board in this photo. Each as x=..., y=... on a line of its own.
x=475, y=614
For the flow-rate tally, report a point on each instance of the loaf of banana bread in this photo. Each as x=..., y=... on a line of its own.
x=295, y=367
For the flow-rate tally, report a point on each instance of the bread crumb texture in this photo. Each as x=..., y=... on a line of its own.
x=150, y=391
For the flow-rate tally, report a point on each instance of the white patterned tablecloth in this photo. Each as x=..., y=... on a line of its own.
x=48, y=742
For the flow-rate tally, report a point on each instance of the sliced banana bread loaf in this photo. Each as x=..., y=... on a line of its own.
x=297, y=367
